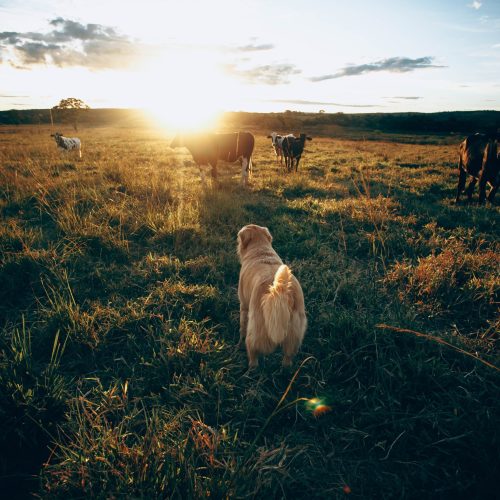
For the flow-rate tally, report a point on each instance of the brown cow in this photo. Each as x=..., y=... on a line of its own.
x=208, y=149
x=479, y=158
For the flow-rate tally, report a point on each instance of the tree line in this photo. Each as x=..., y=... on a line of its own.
x=460, y=122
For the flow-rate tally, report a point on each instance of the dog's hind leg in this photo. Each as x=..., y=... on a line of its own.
x=243, y=326
x=293, y=340
x=250, y=342
x=253, y=355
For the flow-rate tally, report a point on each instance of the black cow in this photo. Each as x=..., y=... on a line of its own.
x=479, y=158
x=293, y=148
x=207, y=149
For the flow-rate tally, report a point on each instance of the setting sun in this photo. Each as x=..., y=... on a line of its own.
x=183, y=92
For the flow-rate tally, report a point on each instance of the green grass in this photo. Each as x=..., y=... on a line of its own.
x=119, y=373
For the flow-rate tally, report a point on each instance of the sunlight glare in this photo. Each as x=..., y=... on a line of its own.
x=184, y=92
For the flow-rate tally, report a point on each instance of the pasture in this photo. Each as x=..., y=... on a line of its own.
x=119, y=316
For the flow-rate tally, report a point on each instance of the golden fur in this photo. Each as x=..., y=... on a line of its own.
x=272, y=309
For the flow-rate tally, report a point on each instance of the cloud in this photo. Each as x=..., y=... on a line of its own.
x=71, y=43
x=320, y=103
x=252, y=47
x=393, y=65
x=270, y=74
x=404, y=97
x=475, y=5
x=72, y=30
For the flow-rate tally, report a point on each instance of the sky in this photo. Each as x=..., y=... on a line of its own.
x=193, y=57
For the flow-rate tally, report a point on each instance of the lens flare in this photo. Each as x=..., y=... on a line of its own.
x=321, y=410
x=317, y=407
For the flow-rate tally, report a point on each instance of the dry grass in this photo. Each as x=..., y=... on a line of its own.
x=119, y=314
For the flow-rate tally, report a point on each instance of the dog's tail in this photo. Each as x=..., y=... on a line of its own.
x=277, y=304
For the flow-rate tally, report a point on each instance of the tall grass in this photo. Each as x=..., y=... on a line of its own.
x=119, y=373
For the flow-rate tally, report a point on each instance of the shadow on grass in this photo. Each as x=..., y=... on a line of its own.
x=165, y=322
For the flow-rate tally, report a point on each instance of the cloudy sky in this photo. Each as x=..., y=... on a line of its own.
x=350, y=56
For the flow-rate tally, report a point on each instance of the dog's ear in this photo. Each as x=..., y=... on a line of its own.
x=268, y=234
x=244, y=237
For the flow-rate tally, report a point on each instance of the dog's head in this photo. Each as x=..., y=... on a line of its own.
x=251, y=234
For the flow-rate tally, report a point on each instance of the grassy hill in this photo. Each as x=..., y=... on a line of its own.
x=119, y=373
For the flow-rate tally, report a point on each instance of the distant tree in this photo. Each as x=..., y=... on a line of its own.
x=321, y=111
x=70, y=110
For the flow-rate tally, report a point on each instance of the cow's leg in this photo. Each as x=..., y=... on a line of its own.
x=493, y=191
x=462, y=177
x=203, y=167
x=244, y=171
x=297, y=164
x=470, y=188
x=214, y=170
x=202, y=176
x=482, y=186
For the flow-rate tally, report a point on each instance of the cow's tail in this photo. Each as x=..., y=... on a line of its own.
x=276, y=305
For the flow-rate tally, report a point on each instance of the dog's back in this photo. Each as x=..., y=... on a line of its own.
x=271, y=299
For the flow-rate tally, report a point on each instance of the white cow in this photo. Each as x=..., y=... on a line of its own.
x=68, y=143
x=277, y=142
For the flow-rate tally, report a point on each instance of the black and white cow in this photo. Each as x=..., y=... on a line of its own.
x=68, y=143
x=208, y=149
x=478, y=157
x=277, y=143
x=293, y=147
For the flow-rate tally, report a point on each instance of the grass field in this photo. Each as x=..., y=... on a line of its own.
x=119, y=315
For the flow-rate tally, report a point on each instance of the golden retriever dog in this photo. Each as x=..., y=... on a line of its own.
x=272, y=309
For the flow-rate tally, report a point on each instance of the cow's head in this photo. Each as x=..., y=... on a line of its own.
x=273, y=136
x=303, y=138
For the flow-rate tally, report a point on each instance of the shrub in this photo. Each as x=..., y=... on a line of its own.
x=456, y=283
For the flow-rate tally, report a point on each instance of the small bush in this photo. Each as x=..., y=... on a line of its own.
x=456, y=283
